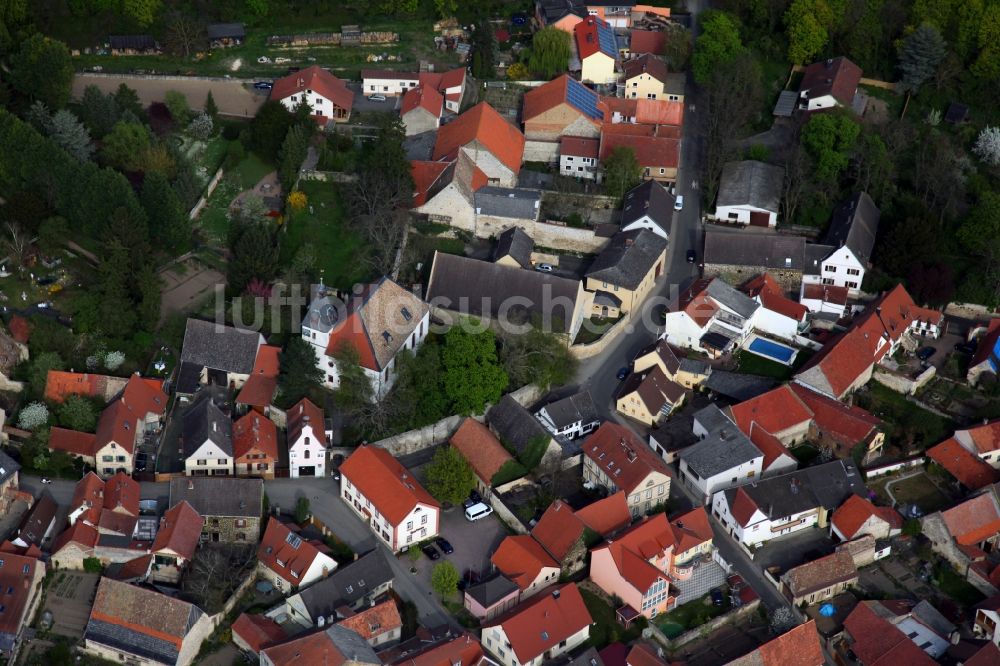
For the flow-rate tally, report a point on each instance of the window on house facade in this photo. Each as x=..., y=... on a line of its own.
x=853, y=271
x=829, y=269
x=851, y=285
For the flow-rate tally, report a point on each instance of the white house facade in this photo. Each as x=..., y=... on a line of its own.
x=208, y=460
x=757, y=529
x=307, y=440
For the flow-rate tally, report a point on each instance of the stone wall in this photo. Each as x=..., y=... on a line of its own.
x=735, y=615
x=937, y=532
x=541, y=151
x=594, y=348
x=736, y=275
x=902, y=383
x=203, y=200
x=545, y=234
x=506, y=515
x=882, y=470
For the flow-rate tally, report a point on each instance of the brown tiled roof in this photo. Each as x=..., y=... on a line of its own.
x=374, y=621
x=317, y=79
x=800, y=646
x=644, y=654
x=826, y=293
x=847, y=424
x=285, y=553
x=180, y=531
x=463, y=650
x=143, y=611
x=545, y=621
x=392, y=489
x=772, y=296
x=135, y=569
x=521, y=558
x=483, y=124
x=16, y=576
x=838, y=77
x=631, y=460
x=484, y=452
x=652, y=65
x=302, y=412
x=579, y=146
x=257, y=631
x=654, y=389
x=691, y=529
x=820, y=574
x=853, y=513
x=875, y=640
x=254, y=433
x=72, y=441
x=650, y=151
x=974, y=520
x=648, y=41
x=970, y=470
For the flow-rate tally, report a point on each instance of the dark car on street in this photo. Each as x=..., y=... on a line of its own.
x=263, y=85
x=444, y=545
x=431, y=552
x=717, y=598
x=622, y=373
x=966, y=347
x=926, y=353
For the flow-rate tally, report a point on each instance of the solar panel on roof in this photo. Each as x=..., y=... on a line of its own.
x=583, y=99
x=606, y=40
x=786, y=103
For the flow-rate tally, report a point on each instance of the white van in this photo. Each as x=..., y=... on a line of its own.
x=679, y=202
x=477, y=511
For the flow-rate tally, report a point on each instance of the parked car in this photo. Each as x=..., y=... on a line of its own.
x=966, y=347
x=478, y=511
x=431, y=552
x=469, y=578
x=926, y=353
x=376, y=98
x=544, y=268
x=46, y=480
x=45, y=280
x=475, y=496
x=679, y=202
x=717, y=598
x=469, y=502
x=622, y=373
x=443, y=544
x=263, y=85
x=690, y=256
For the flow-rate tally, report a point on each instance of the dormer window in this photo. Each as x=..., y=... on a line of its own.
x=387, y=336
x=406, y=314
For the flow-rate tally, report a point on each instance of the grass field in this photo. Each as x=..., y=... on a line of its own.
x=690, y=615
x=251, y=169
x=606, y=628
x=752, y=364
x=340, y=251
x=919, y=490
x=907, y=422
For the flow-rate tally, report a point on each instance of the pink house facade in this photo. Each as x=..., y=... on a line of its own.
x=636, y=566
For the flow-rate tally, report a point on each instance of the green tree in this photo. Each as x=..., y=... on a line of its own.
x=43, y=70
x=77, y=413
x=255, y=255
x=987, y=64
x=302, y=512
x=445, y=8
x=178, y=106
x=550, y=52
x=979, y=234
x=211, y=108
x=127, y=99
x=354, y=391
x=622, y=171
x=125, y=145
x=168, y=222
x=142, y=12
x=52, y=234
x=150, y=295
x=718, y=43
x=920, y=55
x=299, y=374
x=808, y=23
x=449, y=477
x=99, y=112
x=483, y=44
x=12, y=12
x=258, y=8
x=537, y=357
x=293, y=152
x=472, y=375
x=71, y=135
x=39, y=371
x=269, y=128
x=676, y=46
x=829, y=139
x=444, y=579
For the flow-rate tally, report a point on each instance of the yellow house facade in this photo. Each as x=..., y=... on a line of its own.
x=626, y=270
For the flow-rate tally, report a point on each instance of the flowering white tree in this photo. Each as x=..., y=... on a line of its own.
x=987, y=146
x=201, y=127
x=113, y=360
x=34, y=415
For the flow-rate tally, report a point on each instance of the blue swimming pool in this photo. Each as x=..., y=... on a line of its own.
x=779, y=353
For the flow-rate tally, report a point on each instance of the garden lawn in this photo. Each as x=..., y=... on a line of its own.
x=340, y=251
x=251, y=169
x=955, y=586
x=606, y=628
x=692, y=614
x=906, y=420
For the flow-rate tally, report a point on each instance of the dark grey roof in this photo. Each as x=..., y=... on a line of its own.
x=674, y=85
x=826, y=485
x=746, y=248
x=347, y=585
x=695, y=367
x=956, y=113
x=553, y=10
x=354, y=648
x=223, y=30
x=738, y=386
x=588, y=657
x=628, y=258
x=787, y=101
x=204, y=421
x=814, y=256
x=508, y=202
x=569, y=410
x=492, y=590
x=130, y=641
x=606, y=298
x=8, y=467
x=724, y=448
x=188, y=378
x=733, y=299
x=219, y=496
x=514, y=425
x=211, y=345
x=652, y=200
x=712, y=419
x=751, y=183
x=481, y=288
x=114, y=540
x=933, y=618
x=517, y=244
x=37, y=521
x=324, y=309
x=854, y=224
x=136, y=42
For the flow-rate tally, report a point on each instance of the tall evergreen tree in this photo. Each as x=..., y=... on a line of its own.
x=920, y=55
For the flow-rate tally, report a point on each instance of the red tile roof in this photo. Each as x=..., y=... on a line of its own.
x=970, y=470
x=351, y=332
x=180, y=531
x=382, y=479
x=772, y=297
x=304, y=412
x=985, y=437
x=317, y=79
x=647, y=41
x=560, y=527
x=308, y=649
x=743, y=507
x=853, y=513
x=626, y=458
x=846, y=424
x=60, y=385
x=974, y=520
x=826, y=293
x=877, y=641
x=484, y=125
x=521, y=559
x=819, y=574
x=579, y=146
x=587, y=36
x=659, y=112
x=423, y=97
x=425, y=175
x=983, y=349
x=375, y=620
x=135, y=569
x=697, y=304
x=838, y=77
x=631, y=551
x=769, y=445
x=255, y=434
x=775, y=411
x=257, y=631
x=545, y=621
x=480, y=448
x=285, y=553
x=651, y=152
x=72, y=441
x=16, y=577
x=644, y=654
x=550, y=95
x=463, y=650
x=80, y=533
x=691, y=529
x=20, y=329
x=800, y=646
x=258, y=391
x=121, y=421
x=606, y=516
x=988, y=655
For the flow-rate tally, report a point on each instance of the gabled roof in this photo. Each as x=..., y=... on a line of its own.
x=560, y=527
x=219, y=496
x=211, y=345
x=739, y=248
x=563, y=89
x=493, y=590
x=846, y=424
x=646, y=64
x=510, y=202
x=647, y=41
x=800, y=646
x=318, y=80
x=651, y=152
x=623, y=456
x=772, y=297
x=255, y=433
x=751, y=183
x=578, y=407
x=72, y=441
x=974, y=520
x=723, y=449
x=135, y=570
x=983, y=438
x=826, y=293
x=462, y=650
x=820, y=573
x=17, y=575
x=775, y=411
x=652, y=200
x=515, y=243
x=422, y=97
x=853, y=513
x=838, y=77
x=204, y=421
x=544, y=621
x=606, y=516
x=876, y=640
x=691, y=529
x=854, y=225
x=258, y=391
x=180, y=531
x=38, y=520
x=287, y=554
x=593, y=35
x=60, y=385
x=484, y=452
x=426, y=178
x=347, y=585
x=375, y=620
x=392, y=489
x=521, y=559
x=304, y=413
x=80, y=533
x=333, y=646
x=632, y=550
x=970, y=470
x=257, y=631
x=579, y=146
x=628, y=258
x=382, y=317
x=483, y=125
x=644, y=654
x=654, y=389
x=768, y=444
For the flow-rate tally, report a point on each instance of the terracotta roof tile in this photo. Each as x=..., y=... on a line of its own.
x=875, y=640
x=691, y=529
x=558, y=529
x=820, y=573
x=143, y=611
x=60, y=385
x=384, y=481
x=484, y=125
x=970, y=470
x=135, y=569
x=72, y=441
x=255, y=434
x=463, y=650
x=314, y=78
x=481, y=449
x=16, y=577
x=985, y=437
x=579, y=146
x=425, y=174
x=594, y=35
x=847, y=424
x=743, y=507
x=631, y=460
x=974, y=520
x=257, y=631
x=775, y=411
x=80, y=533
x=521, y=558
x=632, y=551
x=374, y=621
x=423, y=97
x=772, y=297
x=544, y=621
x=644, y=654
x=826, y=293
x=799, y=646
x=648, y=41
x=285, y=553
x=258, y=391
x=180, y=531
x=769, y=445
x=651, y=152
x=853, y=513
x=987, y=655
x=838, y=77
x=606, y=516
x=304, y=412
